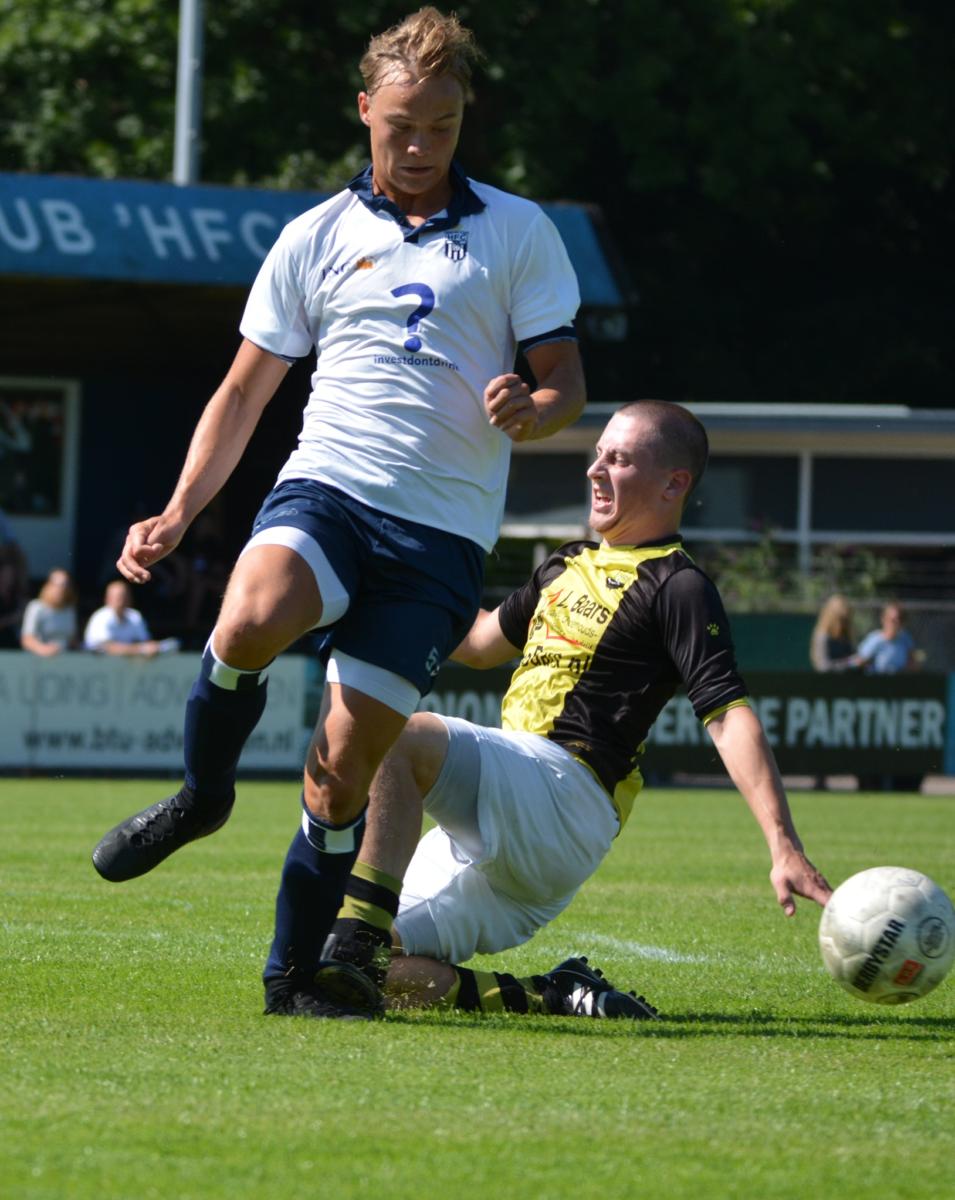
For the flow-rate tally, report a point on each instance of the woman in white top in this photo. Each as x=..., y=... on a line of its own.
x=49, y=622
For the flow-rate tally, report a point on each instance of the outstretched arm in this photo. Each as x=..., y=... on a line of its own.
x=741, y=743
x=485, y=644
x=223, y=432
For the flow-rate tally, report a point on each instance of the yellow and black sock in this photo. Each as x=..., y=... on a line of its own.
x=495, y=992
x=362, y=930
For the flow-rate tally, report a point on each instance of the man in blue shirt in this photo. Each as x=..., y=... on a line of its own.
x=888, y=649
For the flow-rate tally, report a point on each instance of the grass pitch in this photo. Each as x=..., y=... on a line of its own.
x=136, y=1062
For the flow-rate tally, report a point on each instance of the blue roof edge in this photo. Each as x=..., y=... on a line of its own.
x=70, y=227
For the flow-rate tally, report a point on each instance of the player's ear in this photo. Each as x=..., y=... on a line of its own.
x=364, y=105
x=679, y=484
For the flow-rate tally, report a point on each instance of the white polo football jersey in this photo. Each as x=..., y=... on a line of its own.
x=409, y=326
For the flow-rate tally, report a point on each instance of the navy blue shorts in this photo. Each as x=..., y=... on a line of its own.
x=413, y=591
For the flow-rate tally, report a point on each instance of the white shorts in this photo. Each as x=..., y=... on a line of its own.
x=521, y=825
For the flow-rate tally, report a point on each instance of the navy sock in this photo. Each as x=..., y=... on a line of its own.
x=224, y=706
x=317, y=867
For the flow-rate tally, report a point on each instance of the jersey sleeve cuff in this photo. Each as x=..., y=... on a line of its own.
x=566, y=333
x=743, y=702
x=262, y=341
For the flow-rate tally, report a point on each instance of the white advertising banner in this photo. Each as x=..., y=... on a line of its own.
x=90, y=711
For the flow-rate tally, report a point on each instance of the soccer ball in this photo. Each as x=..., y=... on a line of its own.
x=887, y=935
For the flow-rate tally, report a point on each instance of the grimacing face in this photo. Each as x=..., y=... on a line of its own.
x=414, y=132
x=632, y=497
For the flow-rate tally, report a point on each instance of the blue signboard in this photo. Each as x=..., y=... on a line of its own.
x=65, y=227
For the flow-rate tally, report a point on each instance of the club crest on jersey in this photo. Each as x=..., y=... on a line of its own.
x=456, y=244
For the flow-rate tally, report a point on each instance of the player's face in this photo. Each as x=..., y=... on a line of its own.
x=414, y=133
x=633, y=499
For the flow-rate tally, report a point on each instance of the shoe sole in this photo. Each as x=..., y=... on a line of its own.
x=303, y=1009
x=302, y=1003
x=345, y=984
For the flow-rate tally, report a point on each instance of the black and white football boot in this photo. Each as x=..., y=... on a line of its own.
x=575, y=989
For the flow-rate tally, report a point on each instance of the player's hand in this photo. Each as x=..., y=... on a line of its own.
x=794, y=875
x=510, y=406
x=146, y=543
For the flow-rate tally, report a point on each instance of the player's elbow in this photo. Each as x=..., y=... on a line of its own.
x=469, y=655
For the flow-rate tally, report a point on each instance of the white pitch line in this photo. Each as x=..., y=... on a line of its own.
x=623, y=946
x=639, y=950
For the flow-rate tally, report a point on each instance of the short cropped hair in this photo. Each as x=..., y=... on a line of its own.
x=681, y=439
x=424, y=45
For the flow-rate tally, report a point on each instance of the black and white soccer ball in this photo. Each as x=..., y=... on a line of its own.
x=887, y=935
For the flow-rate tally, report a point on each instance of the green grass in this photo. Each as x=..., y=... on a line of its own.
x=135, y=1061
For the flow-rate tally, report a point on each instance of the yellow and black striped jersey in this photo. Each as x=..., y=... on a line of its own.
x=608, y=634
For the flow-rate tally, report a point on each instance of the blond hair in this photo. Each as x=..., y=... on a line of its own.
x=424, y=45
x=835, y=618
x=49, y=594
x=833, y=625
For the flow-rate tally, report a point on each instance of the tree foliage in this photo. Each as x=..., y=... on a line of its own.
x=776, y=174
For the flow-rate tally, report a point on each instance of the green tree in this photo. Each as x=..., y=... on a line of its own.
x=776, y=174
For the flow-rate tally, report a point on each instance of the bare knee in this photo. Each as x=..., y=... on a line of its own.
x=338, y=781
x=251, y=630
x=353, y=736
x=332, y=795
x=243, y=643
x=271, y=600
x=420, y=751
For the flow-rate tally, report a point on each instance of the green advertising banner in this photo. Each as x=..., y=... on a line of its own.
x=850, y=724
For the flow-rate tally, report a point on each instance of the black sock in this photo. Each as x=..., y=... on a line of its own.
x=316, y=871
x=362, y=930
x=224, y=707
x=493, y=991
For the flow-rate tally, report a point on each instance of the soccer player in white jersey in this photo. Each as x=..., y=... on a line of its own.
x=605, y=632
x=415, y=287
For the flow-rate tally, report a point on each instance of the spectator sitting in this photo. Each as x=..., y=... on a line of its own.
x=832, y=642
x=49, y=622
x=116, y=628
x=888, y=649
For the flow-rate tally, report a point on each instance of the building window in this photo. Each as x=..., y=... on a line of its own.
x=891, y=495
x=32, y=441
x=548, y=489
x=745, y=494
x=39, y=440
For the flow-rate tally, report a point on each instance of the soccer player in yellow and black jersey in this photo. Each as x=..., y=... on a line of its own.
x=605, y=632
